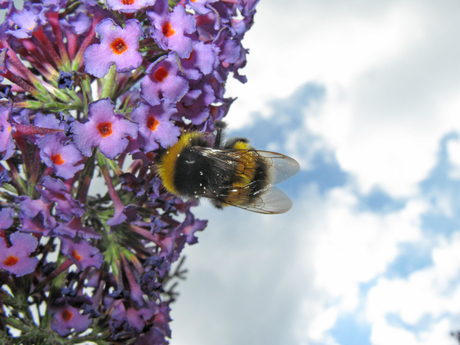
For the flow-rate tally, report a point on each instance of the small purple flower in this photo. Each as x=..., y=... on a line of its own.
x=31, y=207
x=54, y=190
x=15, y=259
x=37, y=225
x=35, y=216
x=122, y=214
x=170, y=29
x=65, y=80
x=77, y=23
x=54, y=5
x=6, y=218
x=123, y=318
x=4, y=4
x=3, y=65
x=61, y=155
x=230, y=49
x=159, y=264
x=89, y=2
x=150, y=285
x=153, y=336
x=133, y=184
x=75, y=228
x=203, y=58
x=155, y=125
x=67, y=319
x=105, y=129
x=81, y=252
x=135, y=291
x=232, y=54
x=163, y=79
x=161, y=319
x=247, y=7
x=27, y=20
x=195, y=105
x=199, y=5
x=191, y=225
x=6, y=130
x=118, y=46
x=131, y=6
x=47, y=121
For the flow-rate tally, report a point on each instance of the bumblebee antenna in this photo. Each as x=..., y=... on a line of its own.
x=220, y=126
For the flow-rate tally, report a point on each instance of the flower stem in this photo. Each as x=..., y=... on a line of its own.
x=108, y=84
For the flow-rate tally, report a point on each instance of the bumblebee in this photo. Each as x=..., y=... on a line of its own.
x=228, y=173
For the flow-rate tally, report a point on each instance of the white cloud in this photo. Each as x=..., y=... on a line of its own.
x=390, y=102
x=351, y=246
x=244, y=279
x=325, y=320
x=453, y=148
x=302, y=269
x=345, y=247
x=297, y=41
x=429, y=296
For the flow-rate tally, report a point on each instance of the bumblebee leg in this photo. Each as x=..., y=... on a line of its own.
x=220, y=126
x=217, y=204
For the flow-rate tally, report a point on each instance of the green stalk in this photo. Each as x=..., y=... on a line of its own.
x=108, y=83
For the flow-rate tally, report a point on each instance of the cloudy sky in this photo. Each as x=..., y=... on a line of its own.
x=366, y=96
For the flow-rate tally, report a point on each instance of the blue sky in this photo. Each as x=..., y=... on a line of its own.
x=365, y=95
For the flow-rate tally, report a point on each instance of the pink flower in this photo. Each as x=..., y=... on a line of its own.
x=155, y=126
x=118, y=46
x=15, y=259
x=163, y=80
x=170, y=29
x=105, y=129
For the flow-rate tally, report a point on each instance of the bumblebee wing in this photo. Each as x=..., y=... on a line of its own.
x=269, y=200
x=280, y=167
x=272, y=201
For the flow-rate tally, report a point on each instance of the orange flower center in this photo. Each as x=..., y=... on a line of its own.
x=105, y=129
x=11, y=261
x=61, y=196
x=67, y=315
x=57, y=159
x=152, y=123
x=76, y=255
x=119, y=46
x=190, y=57
x=128, y=2
x=168, y=31
x=161, y=74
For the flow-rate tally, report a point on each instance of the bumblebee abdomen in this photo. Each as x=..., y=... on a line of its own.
x=250, y=180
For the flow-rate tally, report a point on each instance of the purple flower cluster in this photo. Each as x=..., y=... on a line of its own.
x=90, y=90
